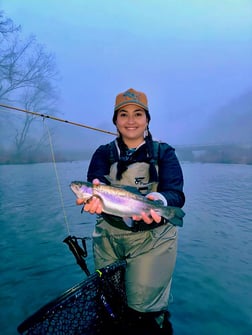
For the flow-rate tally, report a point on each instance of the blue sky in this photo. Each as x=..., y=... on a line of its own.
x=190, y=57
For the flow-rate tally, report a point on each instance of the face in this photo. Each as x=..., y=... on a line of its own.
x=131, y=122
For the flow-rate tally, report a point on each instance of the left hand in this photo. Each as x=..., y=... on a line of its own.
x=148, y=218
x=93, y=204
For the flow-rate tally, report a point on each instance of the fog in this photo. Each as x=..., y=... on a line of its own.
x=193, y=59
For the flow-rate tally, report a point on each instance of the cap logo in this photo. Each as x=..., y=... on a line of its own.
x=131, y=95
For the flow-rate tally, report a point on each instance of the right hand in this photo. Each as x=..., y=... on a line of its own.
x=148, y=219
x=94, y=204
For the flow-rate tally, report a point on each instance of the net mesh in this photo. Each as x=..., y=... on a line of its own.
x=87, y=308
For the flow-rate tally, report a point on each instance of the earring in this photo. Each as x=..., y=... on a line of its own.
x=146, y=133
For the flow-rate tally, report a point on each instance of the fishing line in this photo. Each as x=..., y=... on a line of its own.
x=57, y=176
x=71, y=241
x=46, y=116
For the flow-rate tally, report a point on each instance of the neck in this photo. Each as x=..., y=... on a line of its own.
x=134, y=144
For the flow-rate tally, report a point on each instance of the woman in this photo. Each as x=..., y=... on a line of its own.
x=150, y=244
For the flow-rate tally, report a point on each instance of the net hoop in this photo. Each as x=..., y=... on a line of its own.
x=84, y=308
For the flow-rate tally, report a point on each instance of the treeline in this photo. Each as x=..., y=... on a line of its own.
x=42, y=156
x=229, y=154
x=226, y=154
x=28, y=79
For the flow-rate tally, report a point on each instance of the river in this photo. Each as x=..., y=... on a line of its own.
x=211, y=290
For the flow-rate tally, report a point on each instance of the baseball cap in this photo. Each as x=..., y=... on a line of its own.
x=131, y=97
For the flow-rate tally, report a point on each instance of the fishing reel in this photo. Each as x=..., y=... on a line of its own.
x=79, y=252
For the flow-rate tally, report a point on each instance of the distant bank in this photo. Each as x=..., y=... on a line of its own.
x=225, y=154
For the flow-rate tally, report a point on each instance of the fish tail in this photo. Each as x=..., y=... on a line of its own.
x=174, y=215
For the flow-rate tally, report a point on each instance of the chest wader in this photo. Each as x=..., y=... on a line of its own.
x=136, y=175
x=138, y=323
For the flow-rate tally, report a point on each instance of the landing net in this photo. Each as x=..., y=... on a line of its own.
x=87, y=308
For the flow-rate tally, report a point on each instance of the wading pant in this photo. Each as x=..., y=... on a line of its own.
x=150, y=256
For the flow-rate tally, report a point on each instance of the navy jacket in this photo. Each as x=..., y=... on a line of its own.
x=170, y=174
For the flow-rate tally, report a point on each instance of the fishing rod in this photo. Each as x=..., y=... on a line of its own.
x=56, y=119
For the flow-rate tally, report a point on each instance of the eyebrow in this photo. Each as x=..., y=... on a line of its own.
x=135, y=110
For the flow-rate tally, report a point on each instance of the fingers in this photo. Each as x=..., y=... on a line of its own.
x=152, y=216
x=96, y=181
x=94, y=205
x=136, y=218
x=148, y=218
x=150, y=197
x=157, y=218
x=79, y=201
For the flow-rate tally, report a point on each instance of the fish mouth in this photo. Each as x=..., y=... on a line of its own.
x=80, y=191
x=77, y=190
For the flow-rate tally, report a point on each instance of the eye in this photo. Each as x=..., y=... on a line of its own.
x=122, y=114
x=139, y=114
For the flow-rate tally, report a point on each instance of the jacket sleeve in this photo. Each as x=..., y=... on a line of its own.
x=171, y=179
x=99, y=165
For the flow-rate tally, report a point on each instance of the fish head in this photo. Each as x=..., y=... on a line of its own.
x=82, y=190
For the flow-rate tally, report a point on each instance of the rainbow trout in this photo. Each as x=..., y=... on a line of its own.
x=124, y=203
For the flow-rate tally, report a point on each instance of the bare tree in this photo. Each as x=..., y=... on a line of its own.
x=28, y=79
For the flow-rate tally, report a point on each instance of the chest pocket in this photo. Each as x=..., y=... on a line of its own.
x=136, y=175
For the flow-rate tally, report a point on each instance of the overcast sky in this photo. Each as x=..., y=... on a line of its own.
x=191, y=57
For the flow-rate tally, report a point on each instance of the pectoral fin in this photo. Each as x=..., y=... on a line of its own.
x=128, y=221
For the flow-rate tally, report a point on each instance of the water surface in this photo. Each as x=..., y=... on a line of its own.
x=211, y=292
